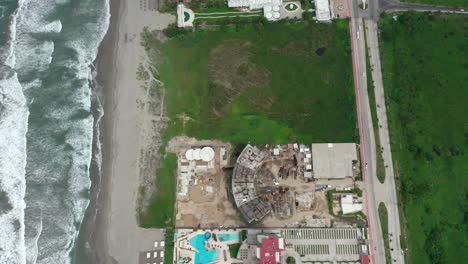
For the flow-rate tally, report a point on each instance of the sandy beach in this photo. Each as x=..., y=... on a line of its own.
x=130, y=138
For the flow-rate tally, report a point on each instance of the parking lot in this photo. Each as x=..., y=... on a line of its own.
x=325, y=244
x=322, y=234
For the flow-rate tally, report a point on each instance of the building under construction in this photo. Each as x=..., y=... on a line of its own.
x=280, y=181
x=258, y=176
x=251, y=207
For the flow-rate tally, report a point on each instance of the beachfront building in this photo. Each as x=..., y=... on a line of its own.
x=271, y=8
x=193, y=164
x=322, y=10
x=271, y=250
x=212, y=246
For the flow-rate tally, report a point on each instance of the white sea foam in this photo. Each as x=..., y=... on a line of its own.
x=88, y=48
x=13, y=127
x=32, y=84
x=35, y=55
x=49, y=237
x=97, y=131
x=52, y=27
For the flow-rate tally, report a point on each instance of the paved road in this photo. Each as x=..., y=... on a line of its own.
x=376, y=7
x=375, y=191
x=366, y=132
x=394, y=5
x=388, y=196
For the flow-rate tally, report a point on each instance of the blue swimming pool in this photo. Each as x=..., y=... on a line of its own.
x=202, y=256
x=228, y=237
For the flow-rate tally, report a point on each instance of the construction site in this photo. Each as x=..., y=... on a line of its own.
x=201, y=194
x=285, y=185
x=264, y=186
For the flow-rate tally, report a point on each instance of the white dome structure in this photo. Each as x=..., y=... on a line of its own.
x=276, y=8
x=276, y=15
x=189, y=154
x=267, y=8
x=268, y=15
x=207, y=154
x=196, y=154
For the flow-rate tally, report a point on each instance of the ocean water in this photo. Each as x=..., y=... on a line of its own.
x=47, y=48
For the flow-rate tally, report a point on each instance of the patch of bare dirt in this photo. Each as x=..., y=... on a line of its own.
x=231, y=72
x=292, y=48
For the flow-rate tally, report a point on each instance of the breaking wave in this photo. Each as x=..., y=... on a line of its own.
x=46, y=125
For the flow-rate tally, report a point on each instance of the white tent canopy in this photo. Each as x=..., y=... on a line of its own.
x=196, y=154
x=322, y=10
x=207, y=154
x=189, y=154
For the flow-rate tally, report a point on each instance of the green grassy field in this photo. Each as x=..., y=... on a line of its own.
x=234, y=249
x=424, y=66
x=383, y=216
x=261, y=83
x=160, y=212
x=454, y=3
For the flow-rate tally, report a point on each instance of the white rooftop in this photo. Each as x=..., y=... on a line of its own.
x=348, y=206
x=254, y=4
x=189, y=154
x=333, y=160
x=322, y=10
x=271, y=8
x=207, y=154
x=196, y=154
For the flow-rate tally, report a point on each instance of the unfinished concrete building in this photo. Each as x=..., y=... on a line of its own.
x=280, y=185
x=250, y=206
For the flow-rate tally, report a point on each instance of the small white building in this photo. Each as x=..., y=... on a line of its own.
x=253, y=4
x=271, y=8
x=349, y=204
x=322, y=10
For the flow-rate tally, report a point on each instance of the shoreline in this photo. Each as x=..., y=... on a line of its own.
x=109, y=232
x=91, y=245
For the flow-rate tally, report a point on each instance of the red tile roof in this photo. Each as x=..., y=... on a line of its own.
x=364, y=259
x=270, y=252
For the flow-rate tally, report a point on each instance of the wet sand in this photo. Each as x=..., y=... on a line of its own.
x=110, y=232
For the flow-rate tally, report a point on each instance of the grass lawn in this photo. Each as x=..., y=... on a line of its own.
x=454, y=3
x=215, y=10
x=261, y=83
x=169, y=246
x=160, y=212
x=234, y=249
x=424, y=69
x=383, y=216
